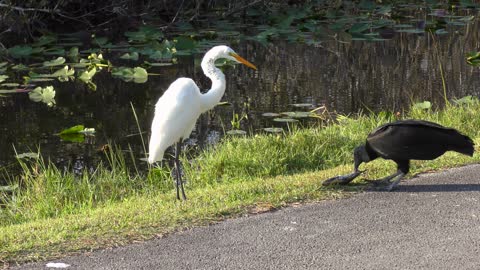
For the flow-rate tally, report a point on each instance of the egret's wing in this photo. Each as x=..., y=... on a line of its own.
x=175, y=115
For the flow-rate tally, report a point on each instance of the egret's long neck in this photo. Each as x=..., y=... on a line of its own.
x=213, y=96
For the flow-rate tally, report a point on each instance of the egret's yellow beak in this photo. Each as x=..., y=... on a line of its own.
x=243, y=61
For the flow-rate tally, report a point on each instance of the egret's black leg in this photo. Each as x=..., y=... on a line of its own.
x=178, y=171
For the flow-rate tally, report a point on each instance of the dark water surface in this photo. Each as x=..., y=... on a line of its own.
x=345, y=77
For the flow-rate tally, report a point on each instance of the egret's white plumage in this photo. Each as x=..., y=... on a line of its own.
x=180, y=106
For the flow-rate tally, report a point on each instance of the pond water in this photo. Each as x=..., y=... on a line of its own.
x=345, y=77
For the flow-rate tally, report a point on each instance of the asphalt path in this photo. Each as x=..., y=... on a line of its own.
x=431, y=221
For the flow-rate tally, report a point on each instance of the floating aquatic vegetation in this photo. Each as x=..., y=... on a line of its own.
x=273, y=130
x=473, y=59
x=425, y=105
x=43, y=94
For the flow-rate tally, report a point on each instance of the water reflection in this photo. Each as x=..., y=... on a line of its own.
x=346, y=77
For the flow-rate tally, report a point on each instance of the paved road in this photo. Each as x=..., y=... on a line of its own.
x=428, y=222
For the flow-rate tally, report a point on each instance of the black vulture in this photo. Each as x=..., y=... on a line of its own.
x=402, y=141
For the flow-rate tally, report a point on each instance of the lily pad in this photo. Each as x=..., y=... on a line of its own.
x=55, y=62
x=269, y=114
x=273, y=130
x=297, y=114
x=236, y=132
x=20, y=51
x=302, y=105
x=137, y=74
x=422, y=105
x=20, y=67
x=473, y=59
x=10, y=84
x=63, y=74
x=285, y=120
x=76, y=137
x=27, y=155
x=130, y=56
x=159, y=64
x=3, y=77
x=140, y=75
x=44, y=40
x=465, y=100
x=73, y=53
x=87, y=75
x=76, y=133
x=72, y=130
x=45, y=95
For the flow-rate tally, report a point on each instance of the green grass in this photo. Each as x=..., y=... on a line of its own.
x=55, y=212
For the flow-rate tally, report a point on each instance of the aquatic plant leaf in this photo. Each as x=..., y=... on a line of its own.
x=236, y=132
x=184, y=43
x=76, y=133
x=8, y=91
x=40, y=80
x=100, y=41
x=20, y=67
x=268, y=114
x=54, y=51
x=10, y=84
x=27, y=155
x=130, y=56
x=63, y=74
x=73, y=53
x=422, y=105
x=273, y=130
x=473, y=59
x=55, y=62
x=88, y=131
x=140, y=75
x=359, y=27
x=44, y=40
x=3, y=64
x=411, y=31
x=466, y=18
x=124, y=73
x=286, y=120
x=144, y=33
x=87, y=75
x=72, y=130
x=300, y=105
x=3, y=77
x=137, y=74
x=367, y=4
x=158, y=64
x=384, y=9
x=20, y=51
x=466, y=100
x=74, y=137
x=468, y=4
x=45, y=95
x=297, y=114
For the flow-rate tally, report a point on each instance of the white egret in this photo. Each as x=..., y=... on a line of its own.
x=179, y=107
